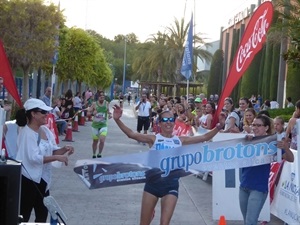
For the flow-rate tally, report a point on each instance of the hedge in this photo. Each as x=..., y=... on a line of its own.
x=285, y=113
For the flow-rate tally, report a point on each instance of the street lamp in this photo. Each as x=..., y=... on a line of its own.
x=113, y=82
x=124, y=68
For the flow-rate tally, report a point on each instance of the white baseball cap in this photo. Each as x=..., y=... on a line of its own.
x=33, y=103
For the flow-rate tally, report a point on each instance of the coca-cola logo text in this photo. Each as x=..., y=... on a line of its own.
x=250, y=45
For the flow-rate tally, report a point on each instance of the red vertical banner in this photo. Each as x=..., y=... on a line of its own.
x=275, y=173
x=252, y=42
x=8, y=78
x=52, y=126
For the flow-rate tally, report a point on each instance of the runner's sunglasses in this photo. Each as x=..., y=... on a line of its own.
x=166, y=119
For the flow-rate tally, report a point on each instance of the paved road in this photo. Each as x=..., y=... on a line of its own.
x=121, y=205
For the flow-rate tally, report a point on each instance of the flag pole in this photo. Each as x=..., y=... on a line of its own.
x=52, y=83
x=187, y=88
x=54, y=59
x=187, y=60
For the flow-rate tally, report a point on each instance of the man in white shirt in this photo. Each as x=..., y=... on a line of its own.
x=274, y=104
x=46, y=97
x=144, y=114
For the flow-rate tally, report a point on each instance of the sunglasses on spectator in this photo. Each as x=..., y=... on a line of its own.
x=44, y=112
x=166, y=119
x=257, y=125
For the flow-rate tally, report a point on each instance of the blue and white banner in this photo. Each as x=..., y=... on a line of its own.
x=286, y=202
x=187, y=61
x=177, y=162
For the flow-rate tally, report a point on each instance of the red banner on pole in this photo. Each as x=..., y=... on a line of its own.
x=8, y=78
x=252, y=42
x=52, y=126
x=275, y=173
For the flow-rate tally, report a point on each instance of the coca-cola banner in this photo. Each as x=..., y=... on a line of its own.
x=252, y=42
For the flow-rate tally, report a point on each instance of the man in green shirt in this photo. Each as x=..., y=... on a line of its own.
x=100, y=111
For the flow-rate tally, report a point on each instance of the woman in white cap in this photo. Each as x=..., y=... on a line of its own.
x=37, y=149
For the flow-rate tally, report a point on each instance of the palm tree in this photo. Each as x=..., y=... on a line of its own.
x=149, y=62
x=287, y=27
x=163, y=53
x=176, y=40
x=286, y=32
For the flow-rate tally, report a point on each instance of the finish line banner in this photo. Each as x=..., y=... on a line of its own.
x=178, y=162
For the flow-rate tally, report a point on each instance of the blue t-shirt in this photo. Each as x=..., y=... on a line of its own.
x=256, y=178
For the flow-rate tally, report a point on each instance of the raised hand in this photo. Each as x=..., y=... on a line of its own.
x=117, y=112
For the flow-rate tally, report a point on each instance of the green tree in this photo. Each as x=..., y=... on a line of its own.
x=292, y=88
x=274, y=72
x=235, y=43
x=114, y=53
x=215, y=76
x=287, y=26
x=81, y=59
x=267, y=71
x=286, y=30
x=176, y=37
x=249, y=82
x=261, y=70
x=150, y=60
x=28, y=29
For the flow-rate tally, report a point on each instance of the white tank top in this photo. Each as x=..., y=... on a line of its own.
x=163, y=143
